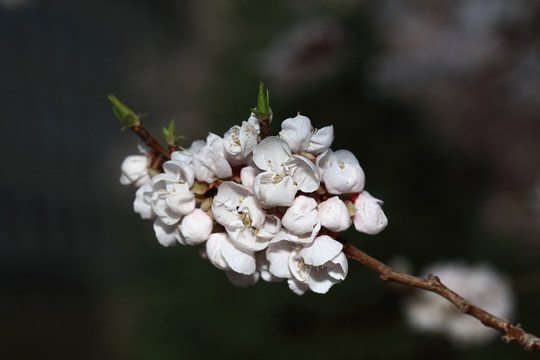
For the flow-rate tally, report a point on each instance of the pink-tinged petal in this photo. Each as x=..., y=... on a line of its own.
x=278, y=255
x=273, y=190
x=321, y=140
x=334, y=215
x=304, y=173
x=242, y=280
x=141, y=206
x=298, y=287
x=271, y=153
x=213, y=250
x=338, y=267
x=196, y=227
x=302, y=216
x=165, y=234
x=247, y=175
x=239, y=261
x=321, y=250
x=296, y=132
x=369, y=216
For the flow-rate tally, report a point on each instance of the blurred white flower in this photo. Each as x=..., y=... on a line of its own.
x=479, y=284
x=135, y=170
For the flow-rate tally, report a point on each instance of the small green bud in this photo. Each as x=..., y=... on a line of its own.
x=262, y=111
x=170, y=136
x=126, y=116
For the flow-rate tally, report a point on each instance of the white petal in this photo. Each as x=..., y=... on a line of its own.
x=304, y=174
x=239, y=261
x=165, y=234
x=278, y=255
x=321, y=250
x=180, y=200
x=341, y=173
x=248, y=138
x=141, y=206
x=320, y=282
x=196, y=227
x=250, y=207
x=299, y=288
x=263, y=267
x=296, y=132
x=321, y=140
x=271, y=226
x=247, y=175
x=213, y=250
x=226, y=201
x=242, y=280
x=271, y=153
x=334, y=215
x=369, y=216
x=302, y=217
x=338, y=267
x=274, y=191
x=180, y=170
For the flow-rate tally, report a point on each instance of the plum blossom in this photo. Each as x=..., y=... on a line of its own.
x=480, y=284
x=209, y=160
x=135, y=170
x=369, y=216
x=195, y=228
x=316, y=266
x=301, y=136
x=284, y=174
x=300, y=222
x=334, y=215
x=239, y=141
x=340, y=172
x=240, y=213
x=225, y=255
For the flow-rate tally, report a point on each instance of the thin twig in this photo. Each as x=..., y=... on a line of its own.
x=145, y=136
x=434, y=284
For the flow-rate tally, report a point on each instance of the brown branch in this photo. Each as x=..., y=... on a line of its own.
x=434, y=284
x=264, y=128
x=145, y=136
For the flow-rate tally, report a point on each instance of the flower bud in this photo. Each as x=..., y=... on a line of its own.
x=134, y=170
x=369, y=217
x=334, y=215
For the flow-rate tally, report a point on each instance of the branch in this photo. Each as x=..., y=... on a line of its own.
x=145, y=136
x=434, y=284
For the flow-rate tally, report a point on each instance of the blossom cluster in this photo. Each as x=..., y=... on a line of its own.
x=480, y=284
x=267, y=208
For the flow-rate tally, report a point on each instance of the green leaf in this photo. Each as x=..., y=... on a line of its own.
x=170, y=136
x=126, y=116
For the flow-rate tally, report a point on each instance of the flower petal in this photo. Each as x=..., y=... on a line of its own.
x=278, y=255
x=272, y=190
x=338, y=267
x=321, y=250
x=196, y=227
x=298, y=287
x=334, y=215
x=321, y=140
x=242, y=280
x=239, y=261
x=369, y=216
x=271, y=153
x=304, y=173
x=302, y=216
x=296, y=132
x=165, y=234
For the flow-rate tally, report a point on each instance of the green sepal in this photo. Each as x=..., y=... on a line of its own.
x=126, y=116
x=170, y=136
x=262, y=111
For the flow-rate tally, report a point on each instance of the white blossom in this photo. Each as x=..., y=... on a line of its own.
x=209, y=160
x=301, y=136
x=341, y=172
x=300, y=222
x=195, y=228
x=284, y=174
x=225, y=255
x=135, y=170
x=240, y=213
x=316, y=266
x=239, y=141
x=369, y=216
x=479, y=284
x=334, y=215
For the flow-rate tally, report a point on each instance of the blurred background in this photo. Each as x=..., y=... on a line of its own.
x=439, y=101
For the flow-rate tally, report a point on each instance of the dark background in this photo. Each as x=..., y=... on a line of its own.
x=438, y=100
